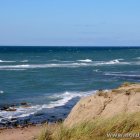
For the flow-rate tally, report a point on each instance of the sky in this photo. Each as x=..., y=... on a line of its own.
x=70, y=22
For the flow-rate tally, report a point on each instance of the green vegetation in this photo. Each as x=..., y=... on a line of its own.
x=125, y=84
x=94, y=130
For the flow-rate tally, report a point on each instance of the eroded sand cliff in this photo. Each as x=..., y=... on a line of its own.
x=124, y=99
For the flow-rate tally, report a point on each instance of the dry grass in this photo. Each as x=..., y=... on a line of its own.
x=102, y=93
x=95, y=130
x=125, y=84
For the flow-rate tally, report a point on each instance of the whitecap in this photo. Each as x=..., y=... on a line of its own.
x=60, y=61
x=67, y=65
x=137, y=58
x=62, y=99
x=20, y=112
x=1, y=91
x=116, y=61
x=112, y=62
x=122, y=75
x=24, y=61
x=2, y=61
x=70, y=65
x=120, y=59
x=14, y=66
x=65, y=97
x=13, y=69
x=96, y=70
x=86, y=60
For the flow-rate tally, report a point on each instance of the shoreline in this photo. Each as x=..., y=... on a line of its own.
x=100, y=106
x=52, y=115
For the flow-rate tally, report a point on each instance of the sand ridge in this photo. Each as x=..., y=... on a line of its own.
x=106, y=104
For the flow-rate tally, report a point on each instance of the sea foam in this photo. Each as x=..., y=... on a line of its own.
x=62, y=99
x=116, y=61
x=24, y=61
x=86, y=60
x=2, y=61
x=1, y=91
x=85, y=63
x=122, y=75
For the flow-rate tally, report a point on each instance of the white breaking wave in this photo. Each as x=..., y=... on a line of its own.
x=68, y=65
x=2, y=61
x=20, y=112
x=120, y=59
x=24, y=61
x=62, y=99
x=44, y=65
x=123, y=75
x=113, y=62
x=96, y=70
x=1, y=91
x=67, y=96
x=86, y=60
x=116, y=61
x=14, y=66
x=13, y=69
x=137, y=58
x=61, y=61
x=8, y=61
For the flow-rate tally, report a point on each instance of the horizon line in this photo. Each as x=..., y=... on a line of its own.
x=67, y=46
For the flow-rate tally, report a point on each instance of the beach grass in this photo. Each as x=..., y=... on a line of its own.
x=124, y=126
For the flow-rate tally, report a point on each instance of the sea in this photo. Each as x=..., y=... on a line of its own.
x=51, y=80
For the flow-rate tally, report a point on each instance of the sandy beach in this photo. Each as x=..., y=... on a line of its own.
x=26, y=133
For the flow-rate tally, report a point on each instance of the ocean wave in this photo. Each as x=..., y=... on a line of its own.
x=12, y=69
x=86, y=60
x=24, y=61
x=65, y=97
x=122, y=75
x=137, y=58
x=61, y=61
x=68, y=65
x=96, y=70
x=8, y=61
x=1, y=91
x=116, y=61
x=61, y=100
x=2, y=61
x=121, y=59
x=14, y=66
x=113, y=62
x=20, y=112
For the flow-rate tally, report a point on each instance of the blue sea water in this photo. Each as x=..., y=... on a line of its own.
x=52, y=79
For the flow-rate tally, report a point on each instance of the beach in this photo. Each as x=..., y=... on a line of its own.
x=105, y=108
x=25, y=133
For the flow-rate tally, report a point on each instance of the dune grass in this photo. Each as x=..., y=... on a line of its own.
x=99, y=129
